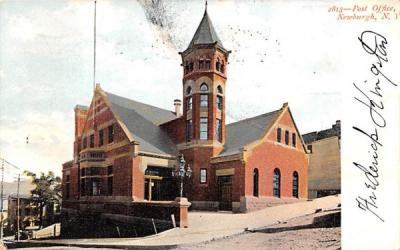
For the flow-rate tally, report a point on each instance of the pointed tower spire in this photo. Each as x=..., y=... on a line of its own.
x=206, y=34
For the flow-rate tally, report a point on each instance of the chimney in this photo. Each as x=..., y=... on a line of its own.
x=80, y=118
x=178, y=104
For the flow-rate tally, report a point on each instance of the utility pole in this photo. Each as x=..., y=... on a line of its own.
x=18, y=208
x=1, y=203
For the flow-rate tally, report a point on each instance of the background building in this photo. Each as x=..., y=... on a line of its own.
x=324, y=167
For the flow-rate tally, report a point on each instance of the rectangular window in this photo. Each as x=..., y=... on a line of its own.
x=287, y=137
x=84, y=142
x=189, y=103
x=219, y=102
x=203, y=128
x=92, y=141
x=294, y=139
x=110, y=134
x=83, y=191
x=109, y=170
x=101, y=137
x=201, y=64
x=83, y=172
x=203, y=175
x=208, y=64
x=279, y=135
x=95, y=187
x=110, y=185
x=309, y=147
x=204, y=100
x=189, y=131
x=218, y=130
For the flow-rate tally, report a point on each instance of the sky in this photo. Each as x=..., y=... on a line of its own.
x=282, y=51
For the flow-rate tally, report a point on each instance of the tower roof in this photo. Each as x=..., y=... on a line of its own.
x=205, y=34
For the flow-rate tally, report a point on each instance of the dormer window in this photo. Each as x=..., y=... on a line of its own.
x=203, y=87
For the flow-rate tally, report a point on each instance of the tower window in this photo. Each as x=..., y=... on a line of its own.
x=189, y=103
x=186, y=67
x=203, y=128
x=110, y=134
x=188, y=90
x=189, y=132
x=203, y=87
x=279, y=135
x=208, y=64
x=219, y=102
x=218, y=130
x=219, y=89
x=223, y=67
x=84, y=142
x=217, y=65
x=294, y=139
x=201, y=64
x=204, y=100
x=191, y=67
x=287, y=137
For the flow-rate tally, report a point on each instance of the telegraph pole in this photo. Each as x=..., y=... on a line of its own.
x=1, y=203
x=18, y=207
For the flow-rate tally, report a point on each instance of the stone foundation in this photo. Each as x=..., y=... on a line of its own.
x=117, y=219
x=251, y=203
x=205, y=205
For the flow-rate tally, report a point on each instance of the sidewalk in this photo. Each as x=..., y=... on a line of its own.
x=206, y=226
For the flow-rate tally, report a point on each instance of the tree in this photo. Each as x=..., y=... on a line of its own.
x=47, y=191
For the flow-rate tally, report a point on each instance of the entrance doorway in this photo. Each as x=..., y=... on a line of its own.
x=225, y=192
x=159, y=185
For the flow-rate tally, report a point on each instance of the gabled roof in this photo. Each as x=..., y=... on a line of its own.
x=205, y=33
x=244, y=132
x=142, y=121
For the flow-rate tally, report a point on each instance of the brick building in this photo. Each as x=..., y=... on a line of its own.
x=324, y=166
x=126, y=151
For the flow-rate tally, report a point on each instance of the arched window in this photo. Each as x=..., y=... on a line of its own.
x=295, y=184
x=277, y=183
x=203, y=87
x=189, y=90
x=255, y=182
x=279, y=135
x=222, y=67
x=217, y=65
x=219, y=89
